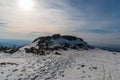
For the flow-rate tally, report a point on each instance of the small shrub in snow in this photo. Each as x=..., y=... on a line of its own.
x=70, y=37
x=57, y=53
x=114, y=53
x=94, y=67
x=55, y=36
x=27, y=50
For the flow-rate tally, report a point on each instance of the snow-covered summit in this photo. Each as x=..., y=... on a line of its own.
x=56, y=42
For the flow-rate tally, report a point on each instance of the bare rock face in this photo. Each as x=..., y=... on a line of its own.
x=56, y=42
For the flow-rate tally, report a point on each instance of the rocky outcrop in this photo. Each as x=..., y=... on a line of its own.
x=56, y=42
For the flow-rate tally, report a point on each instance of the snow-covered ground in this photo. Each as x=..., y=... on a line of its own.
x=71, y=65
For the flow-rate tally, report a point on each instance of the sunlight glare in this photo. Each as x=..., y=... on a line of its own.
x=26, y=4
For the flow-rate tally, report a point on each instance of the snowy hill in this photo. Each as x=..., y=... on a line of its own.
x=56, y=42
x=62, y=63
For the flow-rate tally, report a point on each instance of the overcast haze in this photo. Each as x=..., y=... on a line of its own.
x=97, y=21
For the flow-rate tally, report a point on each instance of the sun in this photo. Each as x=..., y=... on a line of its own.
x=26, y=4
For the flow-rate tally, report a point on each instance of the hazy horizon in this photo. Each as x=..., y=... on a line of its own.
x=97, y=22
x=19, y=43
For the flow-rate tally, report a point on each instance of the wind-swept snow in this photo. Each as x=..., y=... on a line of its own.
x=70, y=65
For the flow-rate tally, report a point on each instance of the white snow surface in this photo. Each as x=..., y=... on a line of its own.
x=94, y=64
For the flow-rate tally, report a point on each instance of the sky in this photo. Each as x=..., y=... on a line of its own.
x=96, y=21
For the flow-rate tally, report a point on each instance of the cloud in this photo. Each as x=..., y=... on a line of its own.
x=99, y=31
x=42, y=16
x=3, y=24
x=84, y=18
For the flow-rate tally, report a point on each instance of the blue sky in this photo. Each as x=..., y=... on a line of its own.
x=97, y=21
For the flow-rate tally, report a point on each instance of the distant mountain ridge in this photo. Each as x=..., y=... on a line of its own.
x=11, y=42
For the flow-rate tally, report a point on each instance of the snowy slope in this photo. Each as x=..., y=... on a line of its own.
x=59, y=58
x=71, y=65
